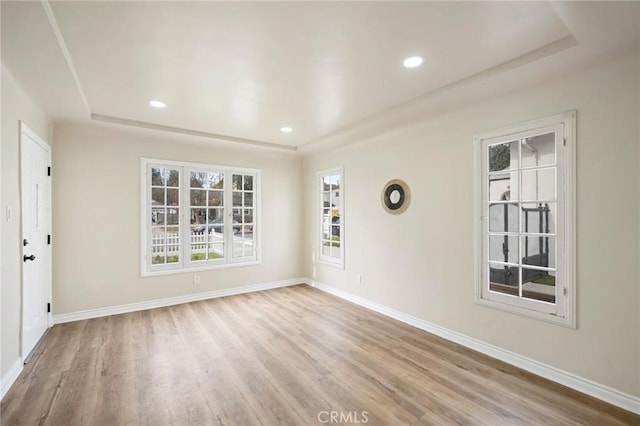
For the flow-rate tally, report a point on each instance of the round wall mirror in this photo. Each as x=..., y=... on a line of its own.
x=395, y=196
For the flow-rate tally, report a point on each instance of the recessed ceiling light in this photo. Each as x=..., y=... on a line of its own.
x=412, y=62
x=286, y=129
x=157, y=104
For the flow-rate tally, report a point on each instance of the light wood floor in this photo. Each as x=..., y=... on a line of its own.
x=287, y=356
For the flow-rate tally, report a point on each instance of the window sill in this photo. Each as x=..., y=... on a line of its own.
x=566, y=321
x=337, y=265
x=146, y=274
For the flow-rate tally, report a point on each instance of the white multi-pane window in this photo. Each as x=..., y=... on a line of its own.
x=197, y=216
x=331, y=224
x=525, y=218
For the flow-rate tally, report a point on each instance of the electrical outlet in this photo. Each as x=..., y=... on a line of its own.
x=196, y=279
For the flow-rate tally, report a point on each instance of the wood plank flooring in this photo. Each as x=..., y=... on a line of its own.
x=289, y=356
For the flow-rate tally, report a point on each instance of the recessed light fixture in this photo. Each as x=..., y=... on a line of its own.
x=412, y=62
x=286, y=129
x=157, y=104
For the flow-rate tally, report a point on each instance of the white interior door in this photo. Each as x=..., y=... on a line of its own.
x=35, y=158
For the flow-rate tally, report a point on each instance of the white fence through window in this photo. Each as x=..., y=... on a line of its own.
x=198, y=242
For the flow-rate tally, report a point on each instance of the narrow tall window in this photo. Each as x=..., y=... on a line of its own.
x=206, y=216
x=243, y=216
x=165, y=217
x=525, y=221
x=331, y=226
x=197, y=216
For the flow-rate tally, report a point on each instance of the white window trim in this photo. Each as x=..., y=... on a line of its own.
x=568, y=121
x=328, y=260
x=183, y=267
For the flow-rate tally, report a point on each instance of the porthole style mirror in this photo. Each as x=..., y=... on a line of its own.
x=396, y=196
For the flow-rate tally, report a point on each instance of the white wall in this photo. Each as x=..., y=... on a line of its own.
x=96, y=217
x=16, y=106
x=401, y=260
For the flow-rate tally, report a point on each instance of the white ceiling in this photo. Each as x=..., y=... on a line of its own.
x=243, y=70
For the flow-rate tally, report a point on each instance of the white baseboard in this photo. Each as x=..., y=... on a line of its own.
x=596, y=390
x=159, y=303
x=10, y=377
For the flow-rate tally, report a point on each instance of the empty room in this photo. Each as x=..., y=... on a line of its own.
x=290, y=213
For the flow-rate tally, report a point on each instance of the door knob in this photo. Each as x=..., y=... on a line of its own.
x=25, y=257
x=25, y=242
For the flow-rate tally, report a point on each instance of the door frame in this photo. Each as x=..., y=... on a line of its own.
x=26, y=131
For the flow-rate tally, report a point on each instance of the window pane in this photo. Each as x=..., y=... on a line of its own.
x=335, y=199
x=503, y=248
x=197, y=255
x=539, y=251
x=157, y=197
x=248, y=216
x=238, y=248
x=173, y=245
x=503, y=187
x=157, y=255
x=503, y=217
x=216, y=250
x=173, y=197
x=539, y=218
x=216, y=198
x=248, y=199
x=215, y=233
x=198, y=197
x=173, y=178
x=216, y=215
x=335, y=182
x=326, y=248
x=237, y=199
x=248, y=244
x=335, y=233
x=539, y=184
x=503, y=156
x=539, y=150
x=237, y=182
x=326, y=200
x=173, y=216
x=326, y=183
x=504, y=279
x=198, y=216
x=216, y=180
x=198, y=179
x=157, y=217
x=335, y=217
x=335, y=251
x=157, y=235
x=248, y=183
x=157, y=177
x=539, y=285
x=199, y=239
x=326, y=216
